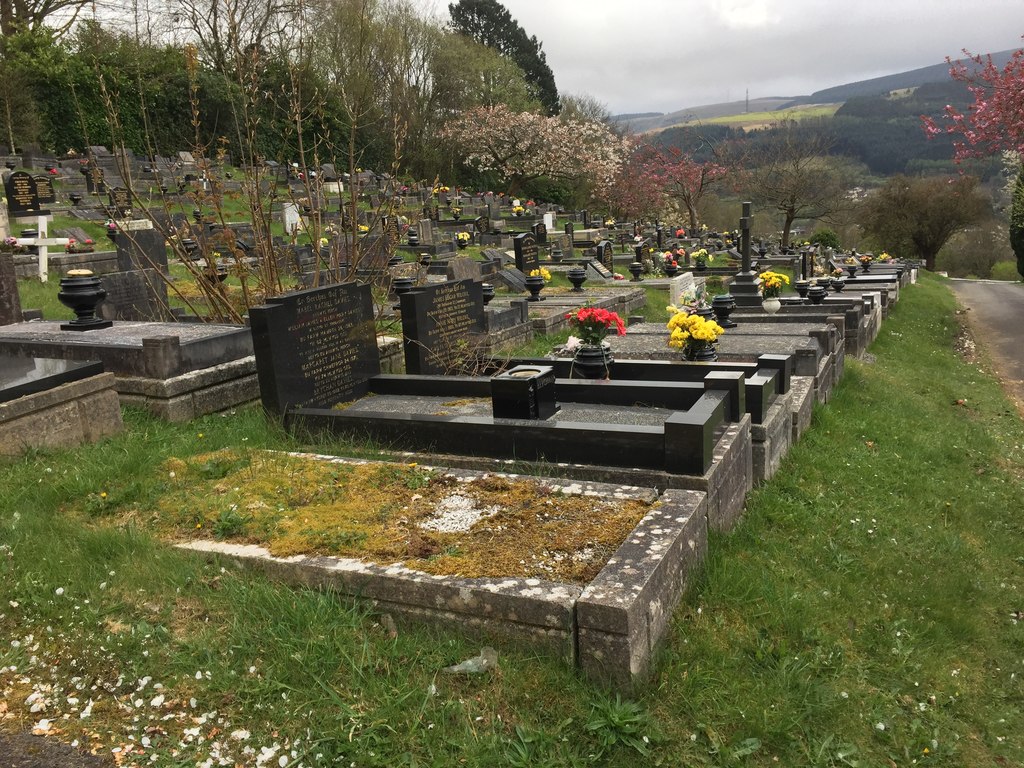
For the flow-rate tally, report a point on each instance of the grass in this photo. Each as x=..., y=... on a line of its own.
x=865, y=611
x=756, y=119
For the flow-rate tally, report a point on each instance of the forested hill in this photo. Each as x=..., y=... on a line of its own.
x=876, y=86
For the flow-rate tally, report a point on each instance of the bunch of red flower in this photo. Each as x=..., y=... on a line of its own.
x=592, y=324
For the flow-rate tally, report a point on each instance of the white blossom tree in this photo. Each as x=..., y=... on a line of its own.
x=523, y=146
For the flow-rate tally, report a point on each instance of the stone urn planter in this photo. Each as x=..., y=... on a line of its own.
x=591, y=361
x=81, y=292
x=817, y=294
x=577, y=276
x=535, y=285
x=723, y=305
x=700, y=352
x=635, y=269
x=771, y=305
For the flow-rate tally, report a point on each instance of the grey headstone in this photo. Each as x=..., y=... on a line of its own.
x=462, y=268
x=137, y=295
x=10, y=304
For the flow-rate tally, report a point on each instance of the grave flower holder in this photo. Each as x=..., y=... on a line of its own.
x=722, y=306
x=700, y=352
x=535, y=285
x=635, y=269
x=81, y=292
x=577, y=276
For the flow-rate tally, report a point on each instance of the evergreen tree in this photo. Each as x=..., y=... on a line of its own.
x=489, y=23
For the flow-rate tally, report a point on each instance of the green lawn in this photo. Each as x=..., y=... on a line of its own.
x=865, y=611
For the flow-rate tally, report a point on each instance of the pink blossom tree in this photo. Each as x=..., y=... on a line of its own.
x=523, y=146
x=635, y=192
x=681, y=177
x=993, y=123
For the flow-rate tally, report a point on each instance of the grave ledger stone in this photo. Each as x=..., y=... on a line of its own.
x=439, y=323
x=315, y=348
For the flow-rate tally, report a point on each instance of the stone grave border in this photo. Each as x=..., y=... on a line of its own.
x=610, y=629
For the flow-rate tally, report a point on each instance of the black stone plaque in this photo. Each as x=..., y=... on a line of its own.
x=525, y=248
x=141, y=249
x=120, y=200
x=45, y=193
x=482, y=224
x=605, y=254
x=540, y=231
x=22, y=196
x=440, y=324
x=139, y=295
x=315, y=348
x=94, y=182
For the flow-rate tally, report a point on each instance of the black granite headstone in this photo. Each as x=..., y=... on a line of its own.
x=315, y=348
x=525, y=248
x=141, y=249
x=120, y=200
x=482, y=224
x=606, y=254
x=45, y=193
x=438, y=325
x=22, y=197
x=540, y=231
x=139, y=295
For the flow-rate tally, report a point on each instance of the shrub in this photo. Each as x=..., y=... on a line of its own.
x=826, y=238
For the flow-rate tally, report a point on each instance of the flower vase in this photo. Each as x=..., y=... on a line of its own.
x=700, y=352
x=671, y=270
x=866, y=266
x=591, y=362
x=838, y=284
x=700, y=266
x=534, y=285
x=817, y=294
x=852, y=269
x=771, y=305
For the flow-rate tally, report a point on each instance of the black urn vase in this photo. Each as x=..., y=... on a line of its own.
x=591, y=361
x=81, y=292
x=723, y=305
x=577, y=276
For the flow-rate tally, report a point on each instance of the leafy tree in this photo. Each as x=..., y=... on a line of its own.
x=827, y=238
x=788, y=169
x=993, y=123
x=489, y=23
x=683, y=179
x=914, y=217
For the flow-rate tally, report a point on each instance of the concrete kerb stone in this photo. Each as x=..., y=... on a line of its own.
x=771, y=439
x=623, y=614
x=801, y=389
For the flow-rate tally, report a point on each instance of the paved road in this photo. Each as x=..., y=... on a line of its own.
x=996, y=319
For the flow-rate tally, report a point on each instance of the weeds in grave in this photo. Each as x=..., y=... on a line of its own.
x=865, y=612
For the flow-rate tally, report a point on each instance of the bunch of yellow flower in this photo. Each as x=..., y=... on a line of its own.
x=686, y=329
x=542, y=272
x=701, y=255
x=772, y=284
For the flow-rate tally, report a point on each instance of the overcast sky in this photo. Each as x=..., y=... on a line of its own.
x=664, y=55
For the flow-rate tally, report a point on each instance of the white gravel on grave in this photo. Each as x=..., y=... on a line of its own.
x=457, y=514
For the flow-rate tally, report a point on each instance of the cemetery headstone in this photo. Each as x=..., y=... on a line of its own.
x=606, y=254
x=94, y=181
x=22, y=198
x=425, y=230
x=463, y=268
x=139, y=295
x=526, y=252
x=141, y=249
x=45, y=193
x=315, y=348
x=482, y=224
x=540, y=231
x=549, y=221
x=120, y=200
x=439, y=324
x=585, y=218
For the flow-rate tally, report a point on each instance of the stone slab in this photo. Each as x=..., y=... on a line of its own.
x=771, y=439
x=802, y=404
x=154, y=350
x=67, y=415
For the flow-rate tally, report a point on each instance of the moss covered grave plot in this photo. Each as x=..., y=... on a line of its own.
x=476, y=525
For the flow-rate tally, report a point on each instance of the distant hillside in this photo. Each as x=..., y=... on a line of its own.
x=876, y=86
x=638, y=124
